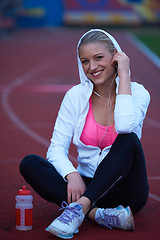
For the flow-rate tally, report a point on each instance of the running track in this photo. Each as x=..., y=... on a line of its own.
x=37, y=67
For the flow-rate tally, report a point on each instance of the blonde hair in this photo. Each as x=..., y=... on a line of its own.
x=97, y=36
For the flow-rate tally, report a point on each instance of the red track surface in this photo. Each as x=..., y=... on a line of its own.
x=36, y=68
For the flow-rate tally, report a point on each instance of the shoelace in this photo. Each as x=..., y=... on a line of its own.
x=110, y=220
x=69, y=213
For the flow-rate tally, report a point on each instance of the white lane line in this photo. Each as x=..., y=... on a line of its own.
x=152, y=122
x=47, y=88
x=153, y=178
x=7, y=108
x=154, y=197
x=6, y=91
x=43, y=88
x=144, y=49
x=34, y=72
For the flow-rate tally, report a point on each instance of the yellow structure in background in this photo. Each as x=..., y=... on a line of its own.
x=146, y=8
x=114, y=12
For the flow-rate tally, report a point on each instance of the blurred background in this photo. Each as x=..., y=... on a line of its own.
x=20, y=14
x=40, y=13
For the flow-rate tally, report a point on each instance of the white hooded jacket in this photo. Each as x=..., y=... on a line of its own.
x=129, y=113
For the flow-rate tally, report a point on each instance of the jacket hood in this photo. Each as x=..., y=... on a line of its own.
x=83, y=77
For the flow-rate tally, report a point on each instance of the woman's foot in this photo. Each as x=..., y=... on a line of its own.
x=68, y=222
x=119, y=217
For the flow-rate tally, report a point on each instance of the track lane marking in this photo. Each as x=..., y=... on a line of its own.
x=153, y=122
x=42, y=88
x=154, y=197
x=144, y=49
x=153, y=178
x=6, y=91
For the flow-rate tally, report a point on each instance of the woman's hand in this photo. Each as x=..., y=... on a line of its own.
x=123, y=72
x=76, y=187
x=123, y=63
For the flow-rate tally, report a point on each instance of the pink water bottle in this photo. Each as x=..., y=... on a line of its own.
x=24, y=209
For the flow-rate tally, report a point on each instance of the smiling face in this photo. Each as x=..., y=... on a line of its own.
x=96, y=61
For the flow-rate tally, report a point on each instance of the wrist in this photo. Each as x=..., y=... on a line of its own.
x=124, y=77
x=71, y=175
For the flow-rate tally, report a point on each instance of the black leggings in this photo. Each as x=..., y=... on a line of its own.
x=119, y=179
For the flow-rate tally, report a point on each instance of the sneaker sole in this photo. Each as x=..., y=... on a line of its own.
x=60, y=235
x=68, y=236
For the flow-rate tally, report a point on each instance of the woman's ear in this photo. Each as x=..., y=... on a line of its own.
x=115, y=63
x=115, y=51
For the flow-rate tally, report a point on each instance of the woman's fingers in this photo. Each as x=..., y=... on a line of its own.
x=69, y=197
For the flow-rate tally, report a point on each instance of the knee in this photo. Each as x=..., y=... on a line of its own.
x=26, y=164
x=133, y=137
x=137, y=206
x=130, y=138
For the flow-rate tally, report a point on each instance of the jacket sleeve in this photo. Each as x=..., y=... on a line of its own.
x=58, y=150
x=130, y=110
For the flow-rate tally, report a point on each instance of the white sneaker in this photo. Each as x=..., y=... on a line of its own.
x=68, y=222
x=119, y=217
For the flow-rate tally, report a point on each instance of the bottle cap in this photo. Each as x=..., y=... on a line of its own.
x=24, y=191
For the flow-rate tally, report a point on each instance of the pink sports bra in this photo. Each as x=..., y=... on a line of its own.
x=95, y=134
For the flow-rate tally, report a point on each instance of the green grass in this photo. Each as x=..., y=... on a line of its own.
x=151, y=38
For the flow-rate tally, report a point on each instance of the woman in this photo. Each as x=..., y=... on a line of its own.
x=104, y=116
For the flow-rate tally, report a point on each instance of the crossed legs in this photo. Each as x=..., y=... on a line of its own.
x=119, y=179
